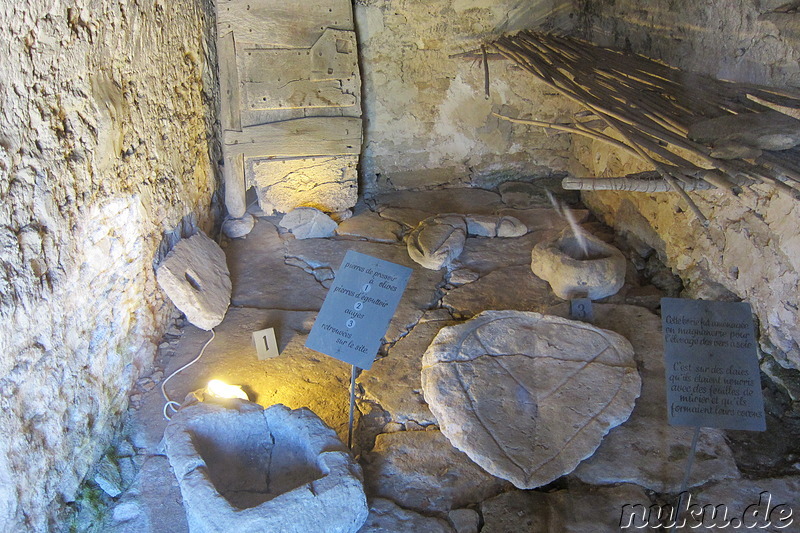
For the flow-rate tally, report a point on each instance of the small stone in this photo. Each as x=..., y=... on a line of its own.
x=124, y=448
x=579, y=266
x=462, y=276
x=238, y=227
x=370, y=226
x=146, y=384
x=482, y=225
x=391, y=427
x=464, y=520
x=127, y=470
x=126, y=511
x=437, y=240
x=494, y=226
x=108, y=477
x=308, y=223
x=647, y=296
x=528, y=396
x=341, y=216
x=508, y=226
x=195, y=277
x=387, y=517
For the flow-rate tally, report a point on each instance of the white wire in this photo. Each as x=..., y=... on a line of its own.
x=172, y=404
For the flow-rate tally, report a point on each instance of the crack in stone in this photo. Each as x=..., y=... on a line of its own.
x=471, y=401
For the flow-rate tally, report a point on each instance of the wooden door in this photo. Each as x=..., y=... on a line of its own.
x=290, y=103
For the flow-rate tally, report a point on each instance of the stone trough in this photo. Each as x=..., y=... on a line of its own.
x=579, y=267
x=243, y=468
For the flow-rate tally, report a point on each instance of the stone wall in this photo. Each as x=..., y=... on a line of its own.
x=428, y=122
x=106, y=113
x=752, y=248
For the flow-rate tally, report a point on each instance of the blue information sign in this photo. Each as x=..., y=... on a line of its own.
x=358, y=308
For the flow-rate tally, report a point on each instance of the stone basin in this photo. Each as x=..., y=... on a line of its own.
x=576, y=268
x=244, y=468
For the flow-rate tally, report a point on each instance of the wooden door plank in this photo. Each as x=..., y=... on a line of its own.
x=297, y=138
x=282, y=23
x=230, y=101
x=234, y=179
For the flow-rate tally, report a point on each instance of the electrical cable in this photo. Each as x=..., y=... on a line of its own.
x=170, y=404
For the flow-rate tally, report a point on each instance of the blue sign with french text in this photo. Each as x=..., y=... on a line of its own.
x=358, y=308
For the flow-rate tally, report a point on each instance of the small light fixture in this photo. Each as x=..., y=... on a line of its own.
x=220, y=389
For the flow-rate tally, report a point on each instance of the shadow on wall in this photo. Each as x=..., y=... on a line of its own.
x=550, y=15
x=754, y=43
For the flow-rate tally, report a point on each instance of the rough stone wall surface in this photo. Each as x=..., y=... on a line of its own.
x=738, y=40
x=106, y=116
x=752, y=247
x=428, y=123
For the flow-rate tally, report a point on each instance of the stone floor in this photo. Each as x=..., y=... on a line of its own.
x=415, y=480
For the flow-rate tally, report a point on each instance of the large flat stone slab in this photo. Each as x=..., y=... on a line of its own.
x=655, y=453
x=513, y=288
x=235, y=228
x=195, y=277
x=578, y=509
x=421, y=470
x=385, y=516
x=394, y=383
x=261, y=278
x=528, y=396
x=780, y=494
x=486, y=255
x=406, y=217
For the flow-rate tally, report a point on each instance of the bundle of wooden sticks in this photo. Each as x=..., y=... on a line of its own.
x=696, y=132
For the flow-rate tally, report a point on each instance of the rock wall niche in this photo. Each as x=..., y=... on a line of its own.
x=751, y=249
x=106, y=110
x=428, y=123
